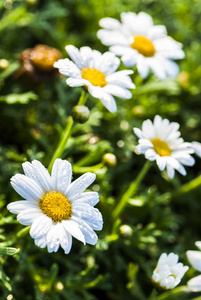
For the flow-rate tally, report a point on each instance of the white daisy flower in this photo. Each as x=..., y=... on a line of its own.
x=168, y=272
x=197, y=148
x=140, y=43
x=56, y=209
x=194, y=258
x=161, y=141
x=96, y=72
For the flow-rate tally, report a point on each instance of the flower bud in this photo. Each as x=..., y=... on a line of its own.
x=126, y=230
x=168, y=272
x=4, y=63
x=80, y=113
x=109, y=159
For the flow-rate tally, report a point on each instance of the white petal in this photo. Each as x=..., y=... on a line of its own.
x=89, y=214
x=107, y=99
x=118, y=75
x=130, y=58
x=187, y=160
x=18, y=206
x=150, y=154
x=41, y=242
x=161, y=162
x=171, y=68
x=110, y=23
x=113, y=37
x=27, y=216
x=61, y=175
x=195, y=284
x=91, y=198
x=68, y=68
x=108, y=63
x=145, y=142
x=162, y=259
x=65, y=239
x=75, y=55
x=90, y=236
x=87, y=57
x=43, y=177
x=194, y=258
x=172, y=259
x=117, y=91
x=73, y=228
x=142, y=66
x=156, y=67
x=170, y=171
x=73, y=82
x=52, y=238
x=197, y=147
x=26, y=187
x=79, y=185
x=138, y=132
x=156, y=32
x=181, y=170
x=198, y=244
x=40, y=226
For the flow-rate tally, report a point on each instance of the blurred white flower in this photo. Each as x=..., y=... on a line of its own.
x=55, y=208
x=194, y=258
x=161, y=141
x=168, y=272
x=96, y=72
x=197, y=148
x=140, y=43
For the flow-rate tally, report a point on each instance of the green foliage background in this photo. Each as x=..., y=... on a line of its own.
x=32, y=117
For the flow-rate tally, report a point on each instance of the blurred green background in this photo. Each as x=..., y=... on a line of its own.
x=33, y=114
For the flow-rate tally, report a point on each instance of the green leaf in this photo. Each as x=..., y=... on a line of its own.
x=5, y=280
x=169, y=86
x=19, y=98
x=8, y=251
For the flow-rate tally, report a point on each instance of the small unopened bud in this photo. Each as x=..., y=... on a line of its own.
x=126, y=230
x=59, y=286
x=80, y=113
x=4, y=63
x=110, y=159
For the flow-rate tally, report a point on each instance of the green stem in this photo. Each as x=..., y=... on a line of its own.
x=184, y=189
x=153, y=295
x=66, y=133
x=62, y=143
x=83, y=98
x=78, y=169
x=188, y=187
x=131, y=190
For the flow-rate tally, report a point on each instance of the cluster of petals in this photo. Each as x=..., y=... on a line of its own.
x=197, y=148
x=121, y=36
x=47, y=233
x=168, y=135
x=194, y=258
x=168, y=272
x=113, y=83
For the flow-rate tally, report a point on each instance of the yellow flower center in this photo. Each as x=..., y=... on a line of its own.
x=161, y=147
x=95, y=77
x=56, y=206
x=143, y=45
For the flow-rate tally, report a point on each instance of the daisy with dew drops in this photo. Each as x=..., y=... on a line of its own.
x=168, y=272
x=97, y=73
x=160, y=141
x=139, y=42
x=194, y=258
x=55, y=208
